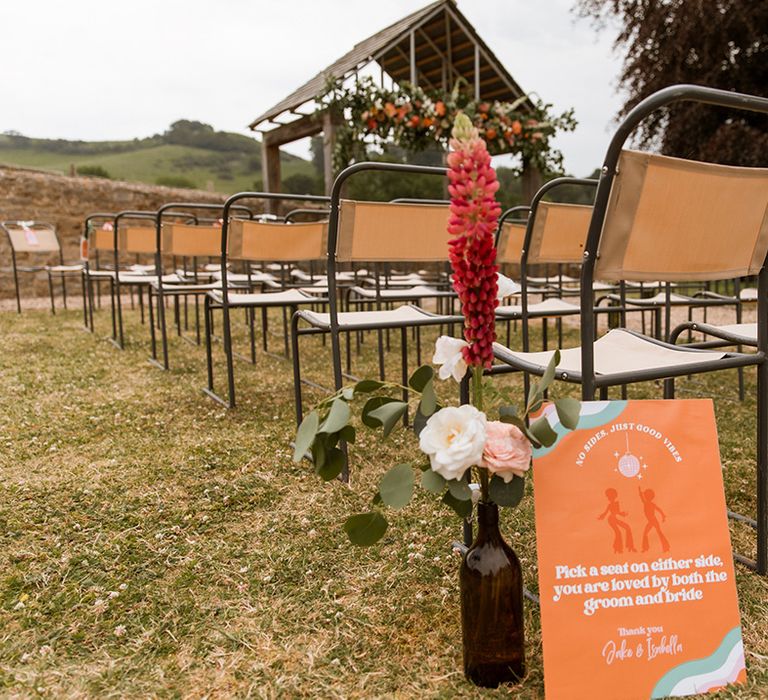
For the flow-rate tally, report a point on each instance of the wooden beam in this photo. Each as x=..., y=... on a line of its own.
x=270, y=172
x=329, y=146
x=414, y=77
x=293, y=131
x=477, y=72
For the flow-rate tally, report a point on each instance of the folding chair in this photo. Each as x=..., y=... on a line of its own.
x=184, y=238
x=33, y=238
x=260, y=242
x=662, y=218
x=374, y=232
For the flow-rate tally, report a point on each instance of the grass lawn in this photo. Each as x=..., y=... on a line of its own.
x=153, y=544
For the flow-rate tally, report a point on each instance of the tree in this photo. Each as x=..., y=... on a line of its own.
x=717, y=43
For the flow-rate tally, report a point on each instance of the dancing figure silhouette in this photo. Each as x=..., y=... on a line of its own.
x=619, y=527
x=652, y=523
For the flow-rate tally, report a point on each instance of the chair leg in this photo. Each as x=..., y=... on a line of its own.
x=16, y=283
x=207, y=311
x=50, y=291
x=404, y=368
x=762, y=468
x=297, y=397
x=227, y=331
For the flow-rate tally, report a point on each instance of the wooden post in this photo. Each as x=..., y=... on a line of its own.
x=532, y=181
x=270, y=172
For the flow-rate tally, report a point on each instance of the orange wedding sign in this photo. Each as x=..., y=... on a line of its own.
x=638, y=598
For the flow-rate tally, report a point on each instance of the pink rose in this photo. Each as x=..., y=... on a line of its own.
x=507, y=451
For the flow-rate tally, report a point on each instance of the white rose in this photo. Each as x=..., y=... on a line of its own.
x=454, y=439
x=448, y=355
x=506, y=287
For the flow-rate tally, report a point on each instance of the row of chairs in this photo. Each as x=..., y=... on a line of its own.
x=658, y=226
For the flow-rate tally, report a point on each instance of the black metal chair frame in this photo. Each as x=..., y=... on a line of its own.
x=591, y=382
x=38, y=268
x=225, y=303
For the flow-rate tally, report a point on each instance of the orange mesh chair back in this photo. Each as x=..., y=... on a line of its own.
x=559, y=233
x=392, y=231
x=672, y=219
x=269, y=241
x=510, y=244
x=191, y=240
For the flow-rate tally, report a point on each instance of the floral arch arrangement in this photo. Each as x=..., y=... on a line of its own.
x=415, y=119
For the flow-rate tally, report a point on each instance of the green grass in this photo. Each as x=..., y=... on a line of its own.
x=153, y=544
x=146, y=164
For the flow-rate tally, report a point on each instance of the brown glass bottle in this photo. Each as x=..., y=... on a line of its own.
x=492, y=606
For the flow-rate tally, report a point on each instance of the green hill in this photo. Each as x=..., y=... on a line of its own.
x=188, y=154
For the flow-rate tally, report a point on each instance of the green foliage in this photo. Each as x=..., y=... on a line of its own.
x=432, y=481
x=365, y=529
x=416, y=120
x=396, y=486
x=718, y=44
x=187, y=149
x=93, y=171
x=303, y=183
x=509, y=494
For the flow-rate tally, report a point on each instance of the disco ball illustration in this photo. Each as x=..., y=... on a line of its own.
x=629, y=465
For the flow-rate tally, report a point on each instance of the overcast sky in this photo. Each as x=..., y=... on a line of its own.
x=99, y=69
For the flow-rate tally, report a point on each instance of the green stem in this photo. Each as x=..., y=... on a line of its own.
x=477, y=402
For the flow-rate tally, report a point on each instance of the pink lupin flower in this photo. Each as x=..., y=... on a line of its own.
x=474, y=215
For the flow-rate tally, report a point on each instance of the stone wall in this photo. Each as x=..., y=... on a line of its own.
x=65, y=202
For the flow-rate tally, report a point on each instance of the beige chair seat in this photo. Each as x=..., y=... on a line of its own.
x=417, y=292
x=548, y=307
x=617, y=352
x=77, y=267
x=256, y=277
x=741, y=333
x=141, y=269
x=660, y=299
x=290, y=297
x=554, y=279
x=189, y=287
x=407, y=315
x=129, y=278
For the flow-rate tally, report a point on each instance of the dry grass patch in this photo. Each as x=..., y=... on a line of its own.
x=153, y=544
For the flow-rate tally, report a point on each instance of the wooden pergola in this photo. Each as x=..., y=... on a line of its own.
x=432, y=48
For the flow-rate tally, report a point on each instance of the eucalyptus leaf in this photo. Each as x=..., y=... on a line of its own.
x=542, y=431
x=419, y=422
x=319, y=452
x=506, y=413
x=348, y=434
x=568, y=412
x=305, y=435
x=428, y=402
x=524, y=430
x=337, y=418
x=459, y=489
x=332, y=465
x=461, y=508
x=371, y=405
x=432, y=481
x=365, y=529
x=420, y=377
x=506, y=494
x=348, y=393
x=366, y=386
x=388, y=414
x=396, y=486
x=549, y=373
